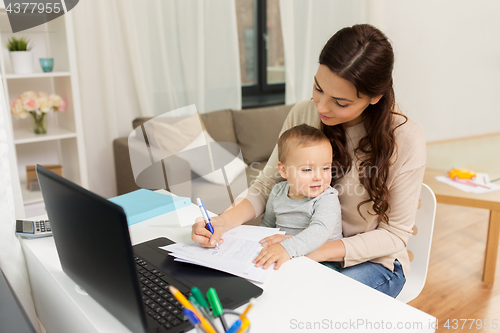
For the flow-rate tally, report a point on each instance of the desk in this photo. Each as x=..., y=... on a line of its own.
x=449, y=195
x=302, y=293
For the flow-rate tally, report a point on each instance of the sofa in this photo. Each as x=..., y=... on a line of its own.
x=254, y=131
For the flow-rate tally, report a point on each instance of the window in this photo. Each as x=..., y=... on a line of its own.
x=262, y=60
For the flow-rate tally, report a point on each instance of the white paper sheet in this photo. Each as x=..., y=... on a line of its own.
x=481, y=179
x=235, y=255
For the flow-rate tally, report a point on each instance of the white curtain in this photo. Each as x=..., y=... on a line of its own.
x=307, y=25
x=183, y=52
x=12, y=260
x=108, y=94
x=144, y=58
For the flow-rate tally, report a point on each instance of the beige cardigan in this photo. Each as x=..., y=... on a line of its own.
x=364, y=239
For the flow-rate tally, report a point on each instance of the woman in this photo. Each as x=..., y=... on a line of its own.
x=378, y=163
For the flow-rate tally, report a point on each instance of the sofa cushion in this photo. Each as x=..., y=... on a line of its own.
x=219, y=125
x=173, y=134
x=257, y=130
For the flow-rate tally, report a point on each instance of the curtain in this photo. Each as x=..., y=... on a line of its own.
x=12, y=260
x=108, y=94
x=184, y=52
x=144, y=58
x=307, y=25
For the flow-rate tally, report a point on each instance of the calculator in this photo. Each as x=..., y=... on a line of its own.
x=33, y=229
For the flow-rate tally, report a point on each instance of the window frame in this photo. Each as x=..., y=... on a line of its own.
x=262, y=93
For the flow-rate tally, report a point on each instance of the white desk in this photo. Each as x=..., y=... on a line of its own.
x=301, y=296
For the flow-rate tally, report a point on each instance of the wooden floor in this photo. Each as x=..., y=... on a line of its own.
x=453, y=288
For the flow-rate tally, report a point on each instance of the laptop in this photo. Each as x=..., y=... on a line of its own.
x=131, y=282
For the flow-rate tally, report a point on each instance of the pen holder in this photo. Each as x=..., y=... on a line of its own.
x=230, y=316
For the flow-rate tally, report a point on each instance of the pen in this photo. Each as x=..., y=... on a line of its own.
x=471, y=182
x=217, y=309
x=192, y=319
x=185, y=303
x=250, y=304
x=235, y=327
x=200, y=299
x=464, y=183
x=204, y=213
x=244, y=325
x=198, y=308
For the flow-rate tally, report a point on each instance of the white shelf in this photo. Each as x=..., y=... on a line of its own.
x=37, y=75
x=30, y=197
x=22, y=136
x=64, y=142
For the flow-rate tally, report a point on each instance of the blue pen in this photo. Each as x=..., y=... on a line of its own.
x=193, y=319
x=235, y=327
x=204, y=213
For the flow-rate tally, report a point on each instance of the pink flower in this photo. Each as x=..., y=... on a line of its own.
x=62, y=106
x=30, y=104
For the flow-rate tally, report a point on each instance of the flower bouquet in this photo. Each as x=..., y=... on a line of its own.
x=37, y=106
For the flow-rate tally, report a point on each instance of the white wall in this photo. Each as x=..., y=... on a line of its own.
x=447, y=73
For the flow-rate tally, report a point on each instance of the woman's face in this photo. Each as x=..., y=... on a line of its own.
x=337, y=99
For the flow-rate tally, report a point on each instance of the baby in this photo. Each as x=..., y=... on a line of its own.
x=305, y=205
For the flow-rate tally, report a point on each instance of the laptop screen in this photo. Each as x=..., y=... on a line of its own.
x=93, y=243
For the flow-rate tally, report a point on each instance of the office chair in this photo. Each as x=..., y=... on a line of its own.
x=419, y=245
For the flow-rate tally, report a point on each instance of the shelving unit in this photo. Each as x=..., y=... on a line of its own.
x=63, y=144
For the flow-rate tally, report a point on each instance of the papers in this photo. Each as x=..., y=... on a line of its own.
x=481, y=179
x=235, y=255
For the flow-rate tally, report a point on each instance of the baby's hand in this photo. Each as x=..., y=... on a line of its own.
x=272, y=254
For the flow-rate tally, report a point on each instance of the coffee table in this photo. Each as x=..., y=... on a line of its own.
x=491, y=201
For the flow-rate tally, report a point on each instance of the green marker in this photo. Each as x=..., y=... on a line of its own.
x=200, y=299
x=217, y=309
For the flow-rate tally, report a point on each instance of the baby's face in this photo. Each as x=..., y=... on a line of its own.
x=308, y=170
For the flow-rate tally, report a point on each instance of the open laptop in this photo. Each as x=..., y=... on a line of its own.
x=131, y=282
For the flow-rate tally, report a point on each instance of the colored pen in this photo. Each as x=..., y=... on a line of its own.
x=235, y=327
x=217, y=309
x=198, y=308
x=494, y=180
x=204, y=213
x=185, y=303
x=250, y=304
x=464, y=183
x=200, y=299
x=192, y=319
x=245, y=323
x=471, y=182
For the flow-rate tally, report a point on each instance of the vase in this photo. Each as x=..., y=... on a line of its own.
x=39, y=122
x=47, y=64
x=22, y=62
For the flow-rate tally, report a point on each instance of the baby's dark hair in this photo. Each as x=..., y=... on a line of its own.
x=299, y=136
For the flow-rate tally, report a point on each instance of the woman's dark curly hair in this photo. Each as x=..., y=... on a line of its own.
x=363, y=55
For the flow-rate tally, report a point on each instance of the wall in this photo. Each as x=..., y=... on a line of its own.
x=447, y=63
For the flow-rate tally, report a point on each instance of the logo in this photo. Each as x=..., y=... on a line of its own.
x=28, y=14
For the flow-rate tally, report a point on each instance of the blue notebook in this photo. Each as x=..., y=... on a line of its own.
x=144, y=204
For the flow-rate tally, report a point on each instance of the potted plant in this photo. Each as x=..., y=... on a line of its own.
x=36, y=105
x=20, y=55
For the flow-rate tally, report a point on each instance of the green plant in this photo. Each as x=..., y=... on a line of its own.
x=18, y=44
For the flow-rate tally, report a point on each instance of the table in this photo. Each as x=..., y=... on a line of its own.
x=301, y=296
x=449, y=195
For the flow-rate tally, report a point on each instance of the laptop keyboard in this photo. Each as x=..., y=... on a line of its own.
x=158, y=301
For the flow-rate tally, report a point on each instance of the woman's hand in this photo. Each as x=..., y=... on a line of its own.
x=274, y=239
x=272, y=254
x=200, y=234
